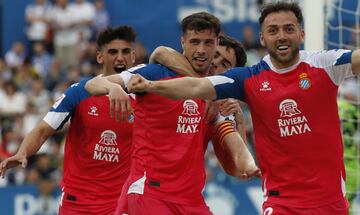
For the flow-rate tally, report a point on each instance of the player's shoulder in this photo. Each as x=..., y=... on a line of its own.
x=326, y=58
x=248, y=71
x=153, y=71
x=77, y=91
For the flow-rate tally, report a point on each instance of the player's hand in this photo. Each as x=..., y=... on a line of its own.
x=211, y=111
x=18, y=159
x=120, y=104
x=138, y=84
x=228, y=106
x=252, y=171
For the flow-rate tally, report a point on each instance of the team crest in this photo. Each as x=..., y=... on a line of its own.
x=304, y=82
x=190, y=108
x=108, y=138
x=288, y=108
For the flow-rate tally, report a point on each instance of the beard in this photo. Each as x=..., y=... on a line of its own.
x=285, y=59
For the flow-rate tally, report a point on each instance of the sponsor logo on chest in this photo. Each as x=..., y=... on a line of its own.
x=106, y=149
x=189, y=120
x=292, y=121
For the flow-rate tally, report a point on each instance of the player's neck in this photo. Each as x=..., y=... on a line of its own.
x=284, y=65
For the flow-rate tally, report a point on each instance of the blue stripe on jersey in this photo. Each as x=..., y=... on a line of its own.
x=344, y=59
x=73, y=96
x=155, y=72
x=239, y=75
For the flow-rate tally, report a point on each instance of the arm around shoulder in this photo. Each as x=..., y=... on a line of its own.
x=184, y=88
x=101, y=85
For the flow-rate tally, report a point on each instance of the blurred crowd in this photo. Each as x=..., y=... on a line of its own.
x=61, y=50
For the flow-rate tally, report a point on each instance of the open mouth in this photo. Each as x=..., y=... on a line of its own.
x=283, y=48
x=200, y=60
x=119, y=68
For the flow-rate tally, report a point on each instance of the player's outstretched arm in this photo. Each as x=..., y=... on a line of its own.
x=179, y=88
x=174, y=60
x=29, y=146
x=355, y=62
x=232, y=152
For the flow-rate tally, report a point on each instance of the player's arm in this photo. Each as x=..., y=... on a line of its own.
x=232, y=152
x=179, y=88
x=101, y=85
x=232, y=107
x=114, y=85
x=29, y=146
x=355, y=62
x=174, y=60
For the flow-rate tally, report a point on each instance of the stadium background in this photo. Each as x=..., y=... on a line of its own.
x=156, y=23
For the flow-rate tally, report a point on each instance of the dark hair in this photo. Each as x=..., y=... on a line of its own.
x=280, y=6
x=201, y=21
x=123, y=32
x=229, y=42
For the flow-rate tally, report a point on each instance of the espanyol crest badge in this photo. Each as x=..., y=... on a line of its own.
x=304, y=82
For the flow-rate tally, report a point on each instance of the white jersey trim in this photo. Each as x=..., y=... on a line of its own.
x=343, y=185
x=218, y=79
x=126, y=75
x=54, y=119
x=138, y=186
x=322, y=59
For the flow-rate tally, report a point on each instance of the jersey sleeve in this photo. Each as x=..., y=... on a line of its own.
x=230, y=84
x=65, y=106
x=336, y=63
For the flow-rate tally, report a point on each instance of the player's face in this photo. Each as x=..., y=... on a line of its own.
x=199, y=48
x=224, y=59
x=282, y=35
x=116, y=56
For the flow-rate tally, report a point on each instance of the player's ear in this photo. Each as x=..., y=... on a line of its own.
x=261, y=36
x=182, y=42
x=302, y=36
x=99, y=58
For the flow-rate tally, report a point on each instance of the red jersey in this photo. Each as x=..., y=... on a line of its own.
x=97, y=149
x=168, y=149
x=297, y=129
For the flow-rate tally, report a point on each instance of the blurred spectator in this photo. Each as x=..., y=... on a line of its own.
x=30, y=119
x=249, y=38
x=24, y=75
x=35, y=14
x=5, y=73
x=12, y=100
x=84, y=18
x=141, y=56
x=15, y=57
x=55, y=75
x=63, y=22
x=39, y=96
x=101, y=18
x=41, y=59
x=73, y=75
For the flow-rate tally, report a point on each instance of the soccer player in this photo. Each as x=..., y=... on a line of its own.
x=97, y=147
x=168, y=172
x=292, y=95
x=229, y=53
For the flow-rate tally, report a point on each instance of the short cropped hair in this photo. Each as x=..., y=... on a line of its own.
x=229, y=42
x=201, y=21
x=280, y=6
x=123, y=32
